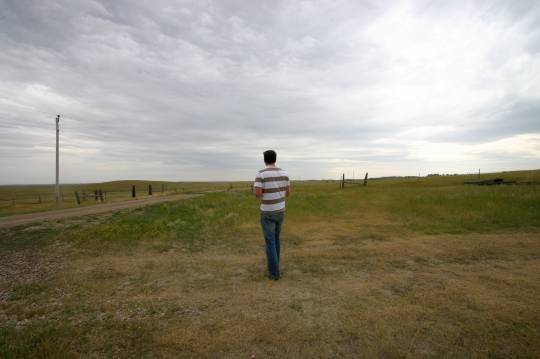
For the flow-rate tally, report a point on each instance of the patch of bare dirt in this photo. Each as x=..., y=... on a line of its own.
x=17, y=220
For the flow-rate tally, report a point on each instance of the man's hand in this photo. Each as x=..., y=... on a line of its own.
x=288, y=191
x=258, y=192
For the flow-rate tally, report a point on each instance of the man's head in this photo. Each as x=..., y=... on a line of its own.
x=269, y=157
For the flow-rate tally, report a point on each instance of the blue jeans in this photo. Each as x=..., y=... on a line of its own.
x=271, y=226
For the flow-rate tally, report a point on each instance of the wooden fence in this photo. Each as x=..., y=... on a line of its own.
x=84, y=194
x=80, y=196
x=345, y=181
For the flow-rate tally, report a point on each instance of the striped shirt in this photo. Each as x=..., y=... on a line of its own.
x=274, y=182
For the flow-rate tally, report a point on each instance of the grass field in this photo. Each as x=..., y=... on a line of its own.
x=37, y=198
x=396, y=269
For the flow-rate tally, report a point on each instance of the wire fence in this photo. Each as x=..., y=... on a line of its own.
x=44, y=196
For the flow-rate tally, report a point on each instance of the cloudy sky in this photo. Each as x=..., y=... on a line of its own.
x=197, y=90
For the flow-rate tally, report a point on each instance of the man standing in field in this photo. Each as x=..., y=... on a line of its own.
x=272, y=186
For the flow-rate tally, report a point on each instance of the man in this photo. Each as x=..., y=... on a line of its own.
x=271, y=187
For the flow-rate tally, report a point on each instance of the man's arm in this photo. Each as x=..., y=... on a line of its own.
x=288, y=191
x=258, y=192
x=257, y=186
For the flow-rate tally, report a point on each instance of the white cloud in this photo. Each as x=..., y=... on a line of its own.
x=527, y=145
x=199, y=91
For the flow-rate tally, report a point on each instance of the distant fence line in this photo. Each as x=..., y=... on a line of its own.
x=79, y=196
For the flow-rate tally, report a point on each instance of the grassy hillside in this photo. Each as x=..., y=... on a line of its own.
x=36, y=198
x=400, y=268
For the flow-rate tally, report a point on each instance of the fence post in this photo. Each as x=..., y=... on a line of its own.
x=77, y=198
x=343, y=182
x=149, y=189
x=133, y=193
x=365, y=179
x=101, y=196
x=95, y=195
x=39, y=199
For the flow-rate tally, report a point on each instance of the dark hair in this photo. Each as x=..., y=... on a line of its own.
x=269, y=157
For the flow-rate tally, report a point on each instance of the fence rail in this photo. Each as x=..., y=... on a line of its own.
x=345, y=181
x=42, y=197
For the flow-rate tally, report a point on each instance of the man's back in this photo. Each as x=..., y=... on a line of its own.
x=274, y=183
x=271, y=187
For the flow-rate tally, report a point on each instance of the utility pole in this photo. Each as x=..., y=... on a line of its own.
x=57, y=187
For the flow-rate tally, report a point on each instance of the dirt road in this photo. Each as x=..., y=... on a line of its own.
x=12, y=221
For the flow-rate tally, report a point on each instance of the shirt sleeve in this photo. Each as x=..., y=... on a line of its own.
x=258, y=181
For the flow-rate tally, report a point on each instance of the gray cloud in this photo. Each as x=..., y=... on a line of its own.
x=197, y=90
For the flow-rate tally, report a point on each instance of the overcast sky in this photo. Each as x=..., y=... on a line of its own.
x=197, y=90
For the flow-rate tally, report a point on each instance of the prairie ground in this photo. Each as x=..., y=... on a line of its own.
x=399, y=268
x=22, y=199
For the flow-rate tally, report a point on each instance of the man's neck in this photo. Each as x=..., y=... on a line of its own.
x=272, y=165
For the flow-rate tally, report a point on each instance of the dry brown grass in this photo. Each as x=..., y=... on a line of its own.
x=389, y=296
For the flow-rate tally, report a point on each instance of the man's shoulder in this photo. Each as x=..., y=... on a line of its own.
x=270, y=169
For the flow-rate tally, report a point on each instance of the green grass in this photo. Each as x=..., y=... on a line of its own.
x=193, y=224
x=399, y=268
x=21, y=199
x=454, y=209
x=27, y=290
